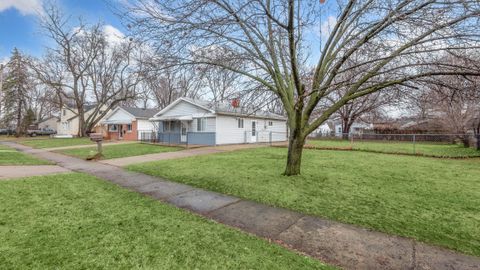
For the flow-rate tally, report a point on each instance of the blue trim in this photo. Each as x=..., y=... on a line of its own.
x=170, y=137
x=202, y=138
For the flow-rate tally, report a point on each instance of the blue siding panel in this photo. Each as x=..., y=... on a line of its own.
x=202, y=138
x=173, y=138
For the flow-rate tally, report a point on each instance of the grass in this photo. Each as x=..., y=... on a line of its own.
x=56, y=142
x=427, y=149
x=120, y=150
x=10, y=156
x=75, y=221
x=433, y=200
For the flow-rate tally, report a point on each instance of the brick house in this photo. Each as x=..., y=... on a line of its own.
x=127, y=123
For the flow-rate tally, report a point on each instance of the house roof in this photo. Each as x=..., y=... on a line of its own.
x=46, y=119
x=140, y=112
x=224, y=108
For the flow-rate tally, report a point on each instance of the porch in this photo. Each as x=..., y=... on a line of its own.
x=184, y=131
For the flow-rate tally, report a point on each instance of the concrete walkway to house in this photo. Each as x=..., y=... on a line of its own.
x=120, y=162
x=8, y=172
x=335, y=243
x=87, y=145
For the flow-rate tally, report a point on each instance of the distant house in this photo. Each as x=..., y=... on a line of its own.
x=126, y=123
x=324, y=130
x=48, y=123
x=358, y=127
x=69, y=121
x=200, y=122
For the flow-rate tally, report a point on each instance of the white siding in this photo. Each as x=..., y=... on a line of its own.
x=229, y=133
x=71, y=127
x=211, y=125
x=278, y=130
x=120, y=115
x=184, y=108
x=49, y=123
x=144, y=125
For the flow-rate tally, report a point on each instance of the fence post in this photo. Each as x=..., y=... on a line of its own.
x=478, y=141
x=414, y=150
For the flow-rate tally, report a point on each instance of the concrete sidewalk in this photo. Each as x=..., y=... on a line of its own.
x=8, y=172
x=120, y=162
x=87, y=145
x=335, y=243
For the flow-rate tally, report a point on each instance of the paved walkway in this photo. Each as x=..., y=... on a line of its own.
x=87, y=145
x=120, y=162
x=7, y=172
x=335, y=243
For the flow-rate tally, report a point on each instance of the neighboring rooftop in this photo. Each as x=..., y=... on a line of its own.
x=140, y=112
x=227, y=108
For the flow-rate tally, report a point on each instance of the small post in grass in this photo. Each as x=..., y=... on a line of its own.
x=414, y=150
x=98, y=138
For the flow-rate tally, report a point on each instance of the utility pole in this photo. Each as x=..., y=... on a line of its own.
x=2, y=66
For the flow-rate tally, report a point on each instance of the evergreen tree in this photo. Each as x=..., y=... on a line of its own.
x=15, y=91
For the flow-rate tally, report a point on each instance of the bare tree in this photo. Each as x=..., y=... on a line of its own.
x=168, y=84
x=456, y=105
x=272, y=38
x=83, y=67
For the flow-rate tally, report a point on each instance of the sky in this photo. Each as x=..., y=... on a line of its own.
x=19, y=22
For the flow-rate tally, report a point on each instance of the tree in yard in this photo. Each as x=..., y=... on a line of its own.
x=166, y=85
x=86, y=67
x=15, y=88
x=381, y=43
x=456, y=105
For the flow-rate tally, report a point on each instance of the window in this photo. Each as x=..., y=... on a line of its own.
x=113, y=128
x=240, y=122
x=270, y=123
x=201, y=124
x=129, y=127
x=66, y=125
x=166, y=126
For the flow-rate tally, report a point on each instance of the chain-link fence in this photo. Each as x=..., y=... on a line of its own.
x=448, y=145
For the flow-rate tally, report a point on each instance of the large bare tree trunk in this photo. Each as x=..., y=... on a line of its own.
x=19, y=130
x=295, y=148
x=81, y=124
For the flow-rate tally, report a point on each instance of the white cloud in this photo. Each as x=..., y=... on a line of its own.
x=113, y=35
x=25, y=7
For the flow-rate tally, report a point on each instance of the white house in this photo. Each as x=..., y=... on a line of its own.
x=324, y=130
x=48, y=123
x=69, y=121
x=127, y=123
x=200, y=122
x=357, y=128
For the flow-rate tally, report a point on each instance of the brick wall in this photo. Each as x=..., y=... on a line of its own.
x=127, y=135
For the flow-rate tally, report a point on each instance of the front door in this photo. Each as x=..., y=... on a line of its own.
x=254, y=132
x=120, y=131
x=183, y=132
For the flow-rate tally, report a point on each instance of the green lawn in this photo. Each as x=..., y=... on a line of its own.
x=75, y=221
x=433, y=200
x=10, y=156
x=427, y=149
x=53, y=142
x=120, y=150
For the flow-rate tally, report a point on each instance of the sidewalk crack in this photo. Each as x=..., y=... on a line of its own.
x=414, y=255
